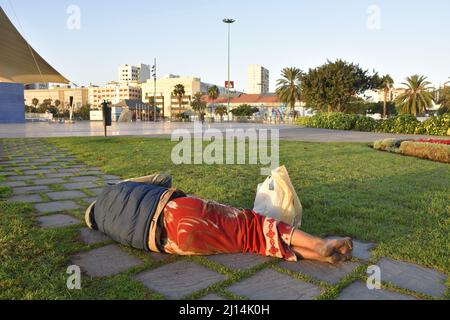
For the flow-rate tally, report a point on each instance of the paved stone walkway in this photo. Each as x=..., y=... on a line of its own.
x=165, y=129
x=60, y=188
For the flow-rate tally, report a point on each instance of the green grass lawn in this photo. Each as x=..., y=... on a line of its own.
x=401, y=203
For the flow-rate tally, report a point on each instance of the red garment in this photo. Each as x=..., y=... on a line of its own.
x=196, y=227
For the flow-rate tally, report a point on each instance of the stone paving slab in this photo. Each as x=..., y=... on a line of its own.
x=105, y=261
x=110, y=177
x=212, y=297
x=239, y=261
x=361, y=249
x=79, y=185
x=9, y=173
x=20, y=178
x=83, y=166
x=89, y=200
x=21, y=168
x=27, y=198
x=84, y=179
x=179, y=279
x=57, y=206
x=48, y=181
x=96, y=191
x=13, y=184
x=271, y=285
x=93, y=237
x=90, y=173
x=57, y=221
x=413, y=277
x=50, y=167
x=66, y=195
x=31, y=189
x=158, y=256
x=40, y=165
x=59, y=175
x=321, y=271
x=37, y=171
x=359, y=291
x=69, y=170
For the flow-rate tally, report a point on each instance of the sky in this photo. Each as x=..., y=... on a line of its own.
x=396, y=37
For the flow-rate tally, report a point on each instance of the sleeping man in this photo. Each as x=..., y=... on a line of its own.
x=148, y=214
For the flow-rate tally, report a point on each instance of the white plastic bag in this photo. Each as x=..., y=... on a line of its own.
x=276, y=198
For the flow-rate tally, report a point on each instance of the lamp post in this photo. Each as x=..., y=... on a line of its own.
x=229, y=21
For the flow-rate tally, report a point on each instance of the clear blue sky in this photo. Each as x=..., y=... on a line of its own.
x=188, y=37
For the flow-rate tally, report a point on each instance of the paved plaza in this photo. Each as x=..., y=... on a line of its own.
x=165, y=129
x=59, y=188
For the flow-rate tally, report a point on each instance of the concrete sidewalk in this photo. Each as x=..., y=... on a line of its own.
x=150, y=129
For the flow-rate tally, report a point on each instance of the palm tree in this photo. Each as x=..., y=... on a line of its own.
x=386, y=84
x=179, y=92
x=417, y=96
x=221, y=111
x=198, y=105
x=213, y=93
x=288, y=87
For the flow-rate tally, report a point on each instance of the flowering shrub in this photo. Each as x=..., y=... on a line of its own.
x=438, y=126
x=447, y=142
x=365, y=124
x=387, y=145
x=426, y=149
x=431, y=151
x=404, y=124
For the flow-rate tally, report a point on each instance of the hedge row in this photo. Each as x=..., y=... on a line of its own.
x=432, y=151
x=405, y=124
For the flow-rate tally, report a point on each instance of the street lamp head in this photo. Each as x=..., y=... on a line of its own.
x=229, y=21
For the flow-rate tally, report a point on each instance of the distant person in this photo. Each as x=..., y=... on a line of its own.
x=147, y=214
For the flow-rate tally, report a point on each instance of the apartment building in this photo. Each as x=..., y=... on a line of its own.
x=114, y=92
x=63, y=94
x=258, y=79
x=129, y=73
x=164, y=90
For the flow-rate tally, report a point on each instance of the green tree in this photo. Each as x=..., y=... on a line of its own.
x=179, y=92
x=244, y=110
x=417, y=97
x=84, y=112
x=57, y=103
x=221, y=111
x=386, y=83
x=444, y=100
x=213, y=93
x=332, y=86
x=151, y=101
x=198, y=105
x=35, y=102
x=289, y=87
x=45, y=106
x=30, y=109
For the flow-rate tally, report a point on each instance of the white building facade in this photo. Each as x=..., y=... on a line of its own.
x=114, y=93
x=129, y=73
x=164, y=92
x=258, y=79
